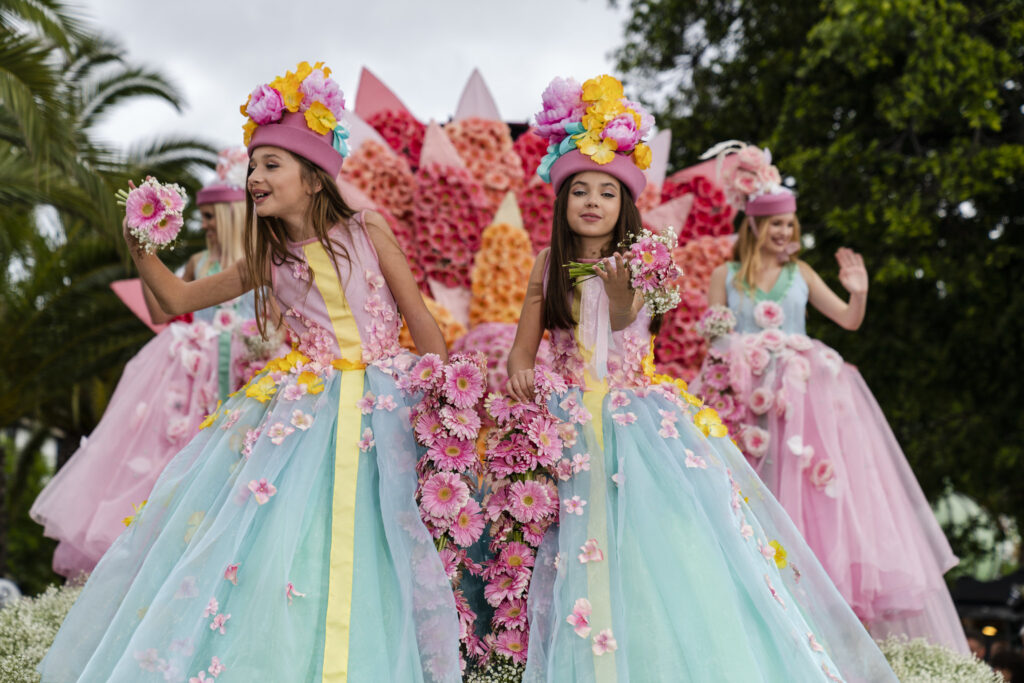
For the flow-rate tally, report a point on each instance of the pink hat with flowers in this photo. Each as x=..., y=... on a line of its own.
x=229, y=186
x=753, y=185
x=300, y=112
x=593, y=127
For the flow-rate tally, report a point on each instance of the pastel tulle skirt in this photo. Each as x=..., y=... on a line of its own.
x=283, y=543
x=816, y=436
x=156, y=408
x=701, y=576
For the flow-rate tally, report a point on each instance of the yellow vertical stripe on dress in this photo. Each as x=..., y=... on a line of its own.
x=346, y=466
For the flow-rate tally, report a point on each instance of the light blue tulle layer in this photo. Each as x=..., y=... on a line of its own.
x=691, y=596
x=143, y=613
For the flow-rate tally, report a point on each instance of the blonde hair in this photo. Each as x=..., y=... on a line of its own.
x=747, y=251
x=230, y=221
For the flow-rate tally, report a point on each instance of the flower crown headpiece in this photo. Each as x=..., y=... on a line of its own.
x=232, y=167
x=308, y=90
x=594, y=118
x=753, y=176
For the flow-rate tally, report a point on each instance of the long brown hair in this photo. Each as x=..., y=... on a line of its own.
x=565, y=247
x=266, y=243
x=747, y=251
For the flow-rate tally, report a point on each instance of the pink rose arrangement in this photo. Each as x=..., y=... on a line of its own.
x=769, y=314
x=403, y=133
x=531, y=148
x=449, y=214
x=523, y=464
x=446, y=424
x=679, y=349
x=486, y=148
x=710, y=213
x=154, y=212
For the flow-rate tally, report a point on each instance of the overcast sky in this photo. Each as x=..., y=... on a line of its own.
x=217, y=51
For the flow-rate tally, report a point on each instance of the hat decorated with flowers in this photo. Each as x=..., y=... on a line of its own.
x=593, y=127
x=229, y=185
x=300, y=112
x=752, y=184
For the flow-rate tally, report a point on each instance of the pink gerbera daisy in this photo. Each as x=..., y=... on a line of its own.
x=144, y=207
x=511, y=614
x=516, y=556
x=443, y=495
x=463, y=423
x=428, y=427
x=468, y=524
x=529, y=501
x=511, y=643
x=463, y=384
x=452, y=454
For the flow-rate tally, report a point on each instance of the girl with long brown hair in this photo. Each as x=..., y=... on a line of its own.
x=659, y=569
x=284, y=542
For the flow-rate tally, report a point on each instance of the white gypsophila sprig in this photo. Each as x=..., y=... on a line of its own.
x=918, y=661
x=27, y=629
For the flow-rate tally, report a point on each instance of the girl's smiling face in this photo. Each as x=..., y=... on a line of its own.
x=778, y=233
x=276, y=185
x=595, y=199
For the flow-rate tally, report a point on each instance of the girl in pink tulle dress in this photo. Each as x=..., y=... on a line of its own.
x=162, y=396
x=808, y=423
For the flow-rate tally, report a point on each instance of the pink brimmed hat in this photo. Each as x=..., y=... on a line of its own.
x=229, y=186
x=292, y=133
x=780, y=201
x=620, y=167
x=300, y=112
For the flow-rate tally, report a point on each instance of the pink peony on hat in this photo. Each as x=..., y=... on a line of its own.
x=232, y=167
x=593, y=127
x=753, y=184
x=300, y=112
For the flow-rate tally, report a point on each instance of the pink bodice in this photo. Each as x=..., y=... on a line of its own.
x=592, y=352
x=338, y=308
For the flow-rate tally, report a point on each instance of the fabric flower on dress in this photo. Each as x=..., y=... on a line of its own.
x=604, y=642
x=574, y=505
x=231, y=573
x=262, y=490
x=580, y=617
x=591, y=552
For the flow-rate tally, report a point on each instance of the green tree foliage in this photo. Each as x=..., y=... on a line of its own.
x=903, y=126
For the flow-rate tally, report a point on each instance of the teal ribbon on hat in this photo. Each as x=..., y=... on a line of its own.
x=340, y=140
x=575, y=131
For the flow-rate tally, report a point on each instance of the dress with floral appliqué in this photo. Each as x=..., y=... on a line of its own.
x=671, y=561
x=283, y=543
x=164, y=392
x=815, y=434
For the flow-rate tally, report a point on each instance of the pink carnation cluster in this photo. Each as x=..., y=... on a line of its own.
x=679, y=349
x=446, y=424
x=524, y=459
x=449, y=214
x=486, y=149
x=710, y=214
x=402, y=131
x=319, y=87
x=383, y=176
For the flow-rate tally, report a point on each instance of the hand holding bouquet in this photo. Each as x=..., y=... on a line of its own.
x=649, y=258
x=153, y=212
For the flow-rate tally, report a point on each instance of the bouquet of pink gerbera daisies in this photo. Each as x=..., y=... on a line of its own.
x=653, y=270
x=154, y=212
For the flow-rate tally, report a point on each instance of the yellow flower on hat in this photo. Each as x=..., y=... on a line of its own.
x=642, y=156
x=288, y=86
x=248, y=128
x=320, y=119
x=600, y=151
x=604, y=87
x=244, y=109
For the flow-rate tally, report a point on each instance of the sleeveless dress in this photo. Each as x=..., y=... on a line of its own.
x=814, y=433
x=283, y=543
x=162, y=396
x=701, y=576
